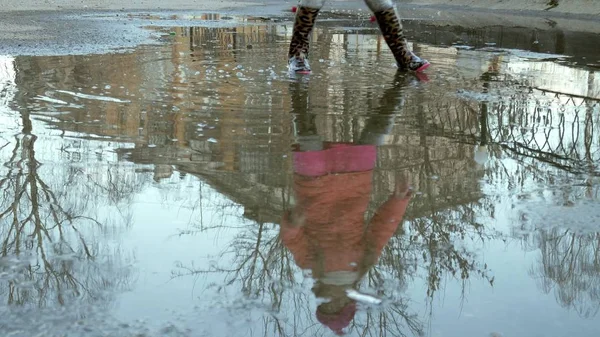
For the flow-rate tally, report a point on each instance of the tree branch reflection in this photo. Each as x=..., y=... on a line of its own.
x=48, y=250
x=569, y=267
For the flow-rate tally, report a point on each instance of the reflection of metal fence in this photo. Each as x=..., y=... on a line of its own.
x=552, y=128
x=562, y=134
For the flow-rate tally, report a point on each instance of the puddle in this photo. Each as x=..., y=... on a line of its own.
x=152, y=192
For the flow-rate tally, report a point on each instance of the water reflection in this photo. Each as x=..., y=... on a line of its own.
x=57, y=250
x=569, y=267
x=500, y=152
x=48, y=234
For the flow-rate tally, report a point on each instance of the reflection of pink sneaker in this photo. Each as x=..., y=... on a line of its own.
x=422, y=76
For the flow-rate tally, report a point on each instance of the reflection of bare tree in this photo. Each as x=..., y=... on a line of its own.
x=439, y=235
x=551, y=138
x=396, y=318
x=263, y=267
x=46, y=256
x=436, y=239
x=569, y=266
x=258, y=263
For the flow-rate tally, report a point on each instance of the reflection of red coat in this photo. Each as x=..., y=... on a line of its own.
x=333, y=235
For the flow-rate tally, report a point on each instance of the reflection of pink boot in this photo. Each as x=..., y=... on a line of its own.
x=391, y=29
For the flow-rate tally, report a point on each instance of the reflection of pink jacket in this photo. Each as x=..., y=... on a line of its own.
x=333, y=190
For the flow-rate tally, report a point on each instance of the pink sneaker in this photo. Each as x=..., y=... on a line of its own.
x=298, y=65
x=417, y=64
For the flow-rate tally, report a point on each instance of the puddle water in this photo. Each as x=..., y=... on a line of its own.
x=193, y=189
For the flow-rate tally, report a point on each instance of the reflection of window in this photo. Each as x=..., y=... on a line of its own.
x=362, y=43
x=550, y=75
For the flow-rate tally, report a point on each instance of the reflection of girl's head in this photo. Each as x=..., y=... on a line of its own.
x=339, y=310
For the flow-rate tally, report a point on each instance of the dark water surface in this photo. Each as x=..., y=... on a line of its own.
x=152, y=193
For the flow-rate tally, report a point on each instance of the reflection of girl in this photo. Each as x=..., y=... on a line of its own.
x=388, y=21
x=326, y=231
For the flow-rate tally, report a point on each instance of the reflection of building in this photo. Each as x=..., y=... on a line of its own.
x=557, y=77
x=544, y=74
x=216, y=106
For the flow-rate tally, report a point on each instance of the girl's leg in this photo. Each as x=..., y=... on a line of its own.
x=391, y=28
x=305, y=20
